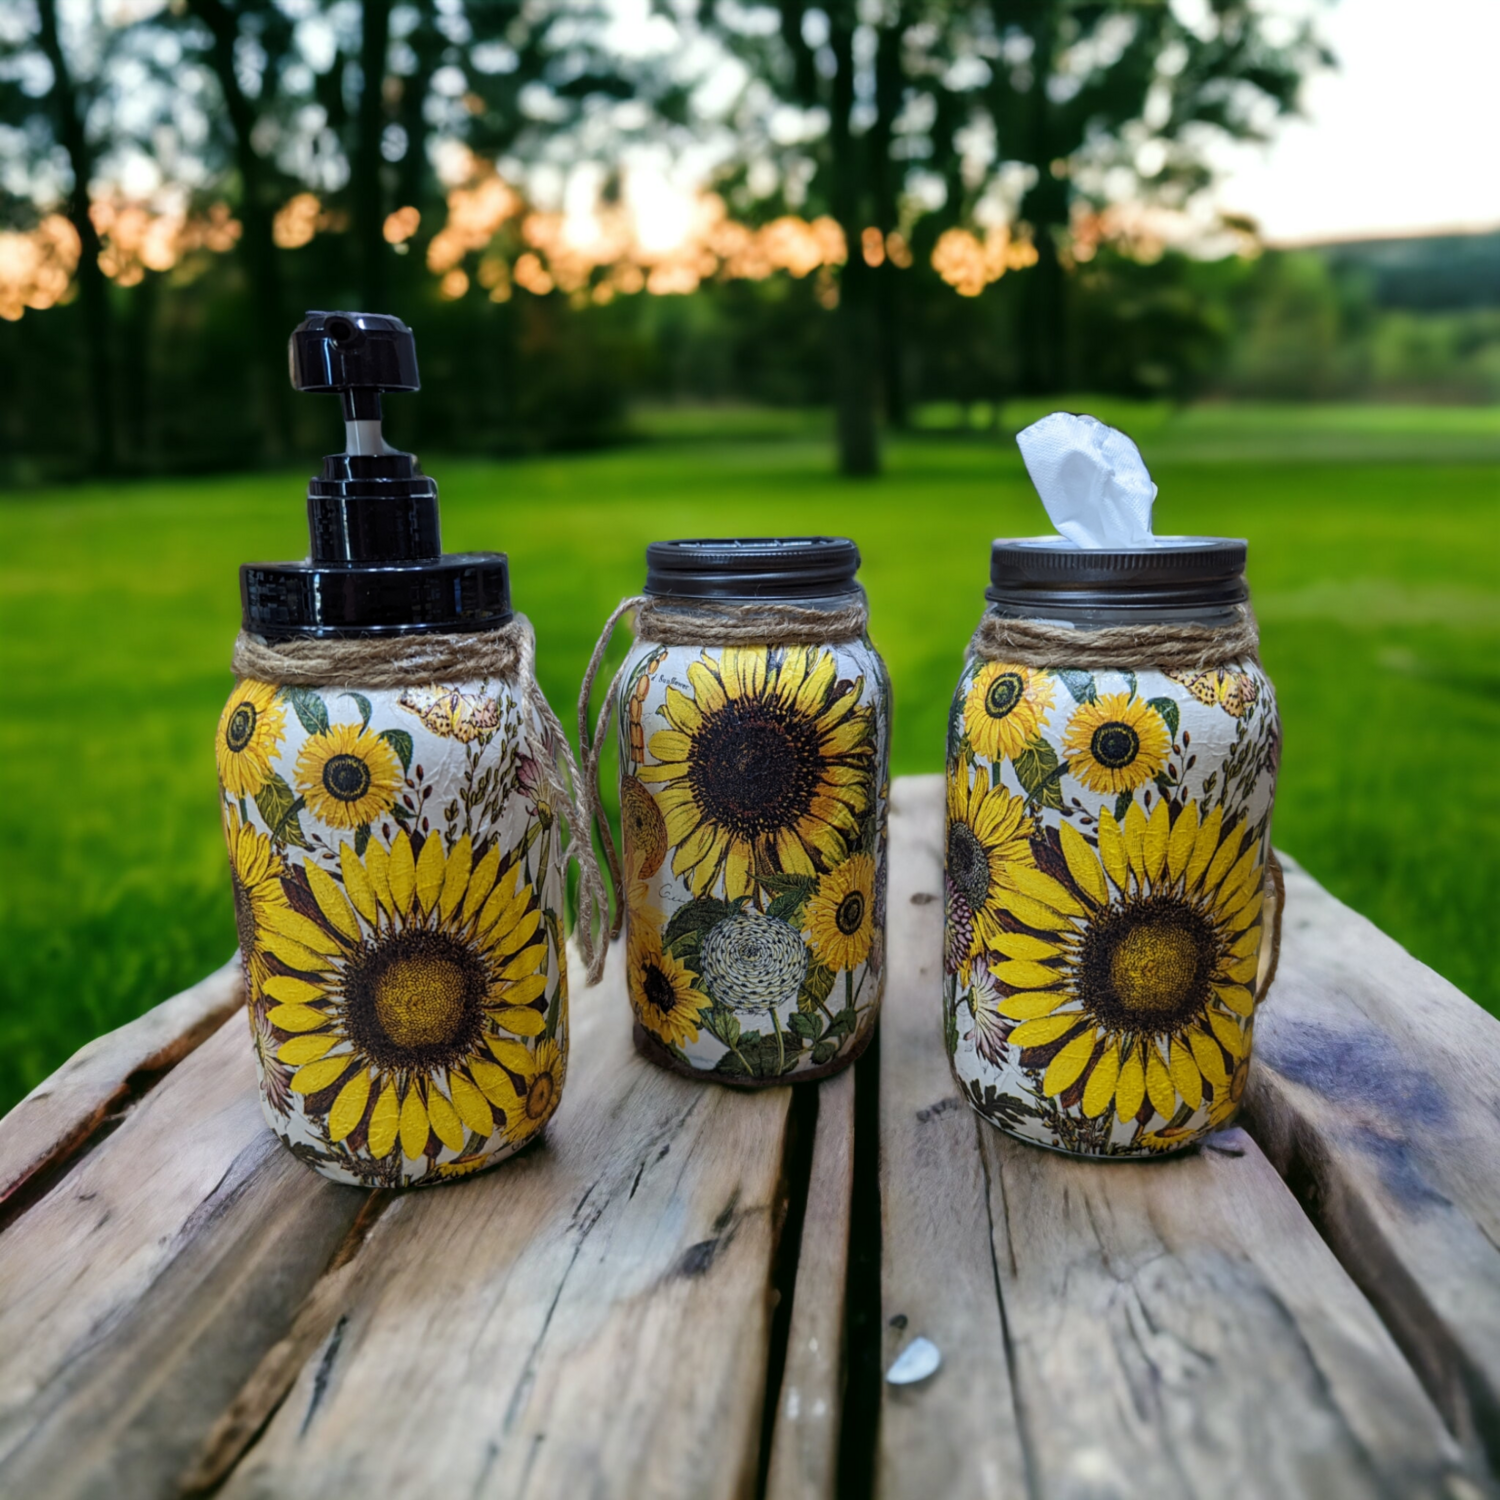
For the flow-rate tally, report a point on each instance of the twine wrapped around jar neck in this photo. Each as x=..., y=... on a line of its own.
x=1137, y=648
x=694, y=622
x=509, y=654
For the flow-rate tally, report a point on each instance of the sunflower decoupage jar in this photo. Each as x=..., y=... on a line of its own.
x=1110, y=892
x=395, y=817
x=754, y=742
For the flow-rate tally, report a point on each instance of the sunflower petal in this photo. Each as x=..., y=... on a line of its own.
x=512, y=1055
x=1154, y=850
x=708, y=691
x=670, y=745
x=378, y=867
x=331, y=903
x=1180, y=845
x=1203, y=849
x=1242, y=970
x=1033, y=913
x=495, y=1083
x=357, y=884
x=737, y=869
x=480, y=881
x=522, y=1020
x=511, y=938
x=1234, y=921
x=305, y=1049
x=430, y=871
x=296, y=1018
x=1247, y=944
x=1226, y=855
x=1183, y=1067
x=1022, y=945
x=682, y=712
x=473, y=1108
x=815, y=686
x=1159, y=1084
x=414, y=1125
x=349, y=1108
x=1067, y=1067
x=1032, y=1004
x=316, y=1076
x=1135, y=838
x=403, y=872
x=1023, y=974
x=292, y=953
x=446, y=1124
x=385, y=1121
x=1041, y=1032
x=1228, y=1033
x=1130, y=1090
x=292, y=991
x=1208, y=1057
x=1084, y=866
x=1237, y=998
x=456, y=876
x=302, y=930
x=527, y=961
x=1099, y=1091
x=1112, y=851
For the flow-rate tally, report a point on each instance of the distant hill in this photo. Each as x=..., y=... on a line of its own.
x=1427, y=273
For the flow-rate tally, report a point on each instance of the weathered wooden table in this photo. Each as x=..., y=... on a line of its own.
x=686, y=1291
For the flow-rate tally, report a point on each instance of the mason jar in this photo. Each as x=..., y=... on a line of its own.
x=1108, y=837
x=754, y=788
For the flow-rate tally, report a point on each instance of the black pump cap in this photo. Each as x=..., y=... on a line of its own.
x=377, y=565
x=745, y=568
x=1046, y=575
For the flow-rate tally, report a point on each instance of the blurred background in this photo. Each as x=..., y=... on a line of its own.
x=718, y=267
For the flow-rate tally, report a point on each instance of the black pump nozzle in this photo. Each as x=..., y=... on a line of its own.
x=377, y=563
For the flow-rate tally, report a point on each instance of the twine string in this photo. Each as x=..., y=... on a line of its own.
x=1162, y=648
x=691, y=622
x=509, y=654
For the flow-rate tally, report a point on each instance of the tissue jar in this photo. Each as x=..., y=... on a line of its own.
x=1107, y=834
x=753, y=803
x=398, y=889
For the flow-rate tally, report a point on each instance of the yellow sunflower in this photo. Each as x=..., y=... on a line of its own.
x=532, y=1086
x=1005, y=707
x=663, y=991
x=260, y=905
x=840, y=914
x=1116, y=743
x=1135, y=980
x=987, y=833
x=769, y=766
x=251, y=729
x=414, y=964
x=349, y=776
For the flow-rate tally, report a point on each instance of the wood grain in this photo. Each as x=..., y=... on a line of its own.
x=955, y=1435
x=805, y=1441
x=63, y=1112
x=589, y=1319
x=142, y=1291
x=1376, y=1092
x=1172, y=1328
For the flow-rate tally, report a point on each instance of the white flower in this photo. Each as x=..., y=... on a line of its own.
x=752, y=961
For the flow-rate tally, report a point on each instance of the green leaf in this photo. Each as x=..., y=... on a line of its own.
x=1079, y=684
x=363, y=705
x=399, y=741
x=1122, y=806
x=1170, y=713
x=279, y=807
x=804, y=1025
x=1040, y=773
x=696, y=917
x=816, y=987
x=309, y=708
x=845, y=1022
x=361, y=839
x=824, y=1052
x=788, y=906
x=782, y=883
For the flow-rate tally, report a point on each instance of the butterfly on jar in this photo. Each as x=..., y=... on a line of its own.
x=1235, y=692
x=453, y=714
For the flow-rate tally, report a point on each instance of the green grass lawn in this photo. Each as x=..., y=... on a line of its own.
x=1374, y=555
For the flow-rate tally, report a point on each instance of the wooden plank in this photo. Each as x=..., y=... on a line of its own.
x=955, y=1435
x=62, y=1113
x=805, y=1441
x=140, y=1293
x=591, y=1318
x=1376, y=1092
x=1172, y=1328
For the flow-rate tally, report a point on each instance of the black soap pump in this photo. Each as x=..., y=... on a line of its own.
x=376, y=565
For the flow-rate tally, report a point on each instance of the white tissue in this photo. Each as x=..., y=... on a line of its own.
x=1092, y=480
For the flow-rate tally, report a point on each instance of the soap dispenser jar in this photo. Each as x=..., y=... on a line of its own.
x=389, y=797
x=1111, y=896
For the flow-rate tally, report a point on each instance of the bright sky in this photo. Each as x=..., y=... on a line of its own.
x=1404, y=136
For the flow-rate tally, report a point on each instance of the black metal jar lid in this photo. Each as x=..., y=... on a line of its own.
x=1046, y=574
x=376, y=563
x=750, y=568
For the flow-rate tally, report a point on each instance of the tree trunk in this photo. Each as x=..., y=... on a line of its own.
x=1044, y=318
x=415, y=182
x=369, y=200
x=257, y=243
x=92, y=285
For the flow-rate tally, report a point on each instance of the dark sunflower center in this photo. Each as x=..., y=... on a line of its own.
x=244, y=915
x=540, y=1095
x=346, y=777
x=1115, y=745
x=1003, y=694
x=241, y=728
x=658, y=990
x=850, y=915
x=754, y=767
x=968, y=864
x=1145, y=966
x=415, y=1000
